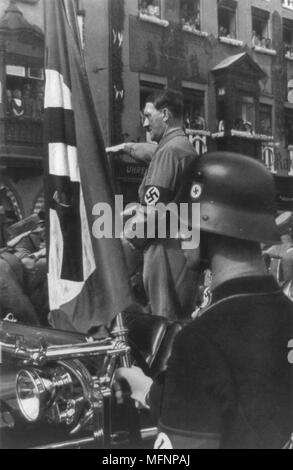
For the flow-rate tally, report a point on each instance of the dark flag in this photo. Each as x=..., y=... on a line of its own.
x=88, y=280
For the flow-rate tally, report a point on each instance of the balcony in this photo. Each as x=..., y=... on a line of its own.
x=21, y=142
x=28, y=132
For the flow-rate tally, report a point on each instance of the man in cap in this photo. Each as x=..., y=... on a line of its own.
x=23, y=271
x=228, y=382
x=168, y=282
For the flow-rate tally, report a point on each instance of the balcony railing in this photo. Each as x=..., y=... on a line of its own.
x=25, y=131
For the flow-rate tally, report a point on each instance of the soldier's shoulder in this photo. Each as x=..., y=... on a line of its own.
x=178, y=148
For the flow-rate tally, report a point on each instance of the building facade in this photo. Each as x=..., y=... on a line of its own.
x=233, y=61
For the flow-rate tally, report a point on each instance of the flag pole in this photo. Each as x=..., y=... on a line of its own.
x=120, y=332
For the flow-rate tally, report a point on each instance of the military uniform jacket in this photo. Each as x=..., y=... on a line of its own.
x=169, y=284
x=163, y=177
x=229, y=383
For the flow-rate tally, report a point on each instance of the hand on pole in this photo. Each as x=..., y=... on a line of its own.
x=139, y=383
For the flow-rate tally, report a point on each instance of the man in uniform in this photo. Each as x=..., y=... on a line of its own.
x=168, y=282
x=23, y=272
x=229, y=381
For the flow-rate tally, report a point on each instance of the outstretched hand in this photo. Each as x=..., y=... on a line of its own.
x=116, y=149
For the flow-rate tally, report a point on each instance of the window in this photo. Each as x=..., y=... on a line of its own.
x=194, y=109
x=265, y=119
x=24, y=92
x=150, y=8
x=245, y=114
x=190, y=14
x=289, y=127
x=288, y=37
x=260, y=29
x=227, y=18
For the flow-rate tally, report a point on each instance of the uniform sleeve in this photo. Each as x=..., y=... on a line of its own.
x=142, y=152
x=196, y=395
x=164, y=177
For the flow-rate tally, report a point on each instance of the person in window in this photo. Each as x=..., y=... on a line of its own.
x=265, y=127
x=223, y=31
x=221, y=125
x=248, y=127
x=239, y=124
x=268, y=43
x=255, y=39
x=184, y=14
x=187, y=123
x=199, y=123
x=197, y=21
x=8, y=102
x=28, y=101
x=143, y=8
x=17, y=104
x=153, y=9
x=232, y=35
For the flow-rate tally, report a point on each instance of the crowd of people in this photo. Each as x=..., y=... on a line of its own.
x=190, y=15
x=261, y=41
x=25, y=102
x=195, y=122
x=23, y=272
x=224, y=32
x=150, y=8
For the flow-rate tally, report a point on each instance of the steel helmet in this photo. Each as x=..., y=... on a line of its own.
x=236, y=194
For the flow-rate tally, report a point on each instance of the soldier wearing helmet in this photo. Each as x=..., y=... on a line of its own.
x=228, y=382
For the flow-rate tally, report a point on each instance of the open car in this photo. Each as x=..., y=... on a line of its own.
x=57, y=388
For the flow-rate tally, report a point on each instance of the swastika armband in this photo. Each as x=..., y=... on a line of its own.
x=154, y=194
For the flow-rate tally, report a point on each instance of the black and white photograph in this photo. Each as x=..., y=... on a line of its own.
x=146, y=227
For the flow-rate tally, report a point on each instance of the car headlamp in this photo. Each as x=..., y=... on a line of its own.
x=34, y=391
